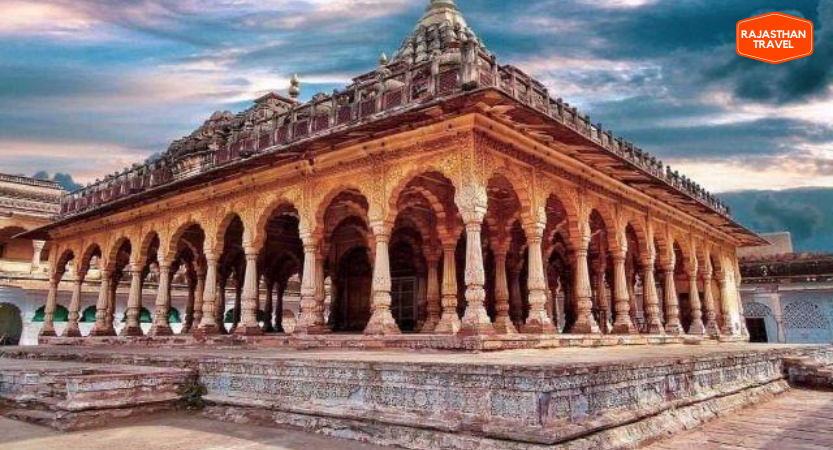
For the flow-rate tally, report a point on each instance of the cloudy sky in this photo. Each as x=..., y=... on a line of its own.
x=90, y=86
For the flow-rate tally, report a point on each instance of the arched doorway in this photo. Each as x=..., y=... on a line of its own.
x=407, y=269
x=11, y=324
x=355, y=280
x=346, y=253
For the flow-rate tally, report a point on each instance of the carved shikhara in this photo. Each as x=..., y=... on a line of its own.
x=594, y=213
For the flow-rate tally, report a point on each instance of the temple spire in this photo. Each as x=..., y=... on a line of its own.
x=441, y=29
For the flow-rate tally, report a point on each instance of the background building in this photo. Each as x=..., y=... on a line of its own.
x=787, y=297
x=25, y=204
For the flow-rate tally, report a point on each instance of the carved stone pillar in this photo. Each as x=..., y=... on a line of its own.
x=503, y=322
x=602, y=300
x=622, y=323
x=538, y=320
x=725, y=293
x=585, y=322
x=653, y=324
x=432, y=295
x=238, y=301
x=697, y=327
x=269, y=307
x=111, y=300
x=208, y=323
x=134, y=303
x=516, y=306
x=310, y=318
x=220, y=306
x=449, y=321
x=48, y=329
x=475, y=320
x=712, y=328
x=161, y=323
x=248, y=325
x=381, y=320
x=199, y=295
x=37, y=255
x=188, y=320
x=672, y=302
x=279, y=291
x=72, y=329
x=102, y=327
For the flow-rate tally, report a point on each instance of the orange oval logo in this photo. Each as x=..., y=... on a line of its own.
x=775, y=38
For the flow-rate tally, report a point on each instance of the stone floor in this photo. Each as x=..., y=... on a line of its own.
x=176, y=431
x=798, y=420
x=565, y=357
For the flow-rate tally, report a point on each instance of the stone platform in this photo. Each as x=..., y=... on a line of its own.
x=402, y=342
x=570, y=398
x=75, y=395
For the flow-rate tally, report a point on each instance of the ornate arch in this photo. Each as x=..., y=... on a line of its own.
x=268, y=206
x=87, y=256
x=321, y=204
x=143, y=252
x=66, y=256
x=522, y=187
x=114, y=247
x=399, y=181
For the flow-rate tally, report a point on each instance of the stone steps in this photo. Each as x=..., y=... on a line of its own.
x=71, y=396
x=809, y=373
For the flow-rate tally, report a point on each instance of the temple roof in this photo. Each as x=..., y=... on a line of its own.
x=441, y=65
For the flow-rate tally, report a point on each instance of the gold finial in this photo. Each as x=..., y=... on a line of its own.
x=294, y=87
x=441, y=3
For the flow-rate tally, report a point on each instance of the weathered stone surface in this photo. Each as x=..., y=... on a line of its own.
x=569, y=398
x=68, y=395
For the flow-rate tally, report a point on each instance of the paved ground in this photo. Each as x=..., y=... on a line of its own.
x=799, y=420
x=552, y=357
x=169, y=432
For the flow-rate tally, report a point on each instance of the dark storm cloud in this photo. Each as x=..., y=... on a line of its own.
x=764, y=137
x=784, y=83
x=803, y=212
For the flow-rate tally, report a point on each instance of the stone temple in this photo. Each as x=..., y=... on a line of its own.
x=444, y=202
